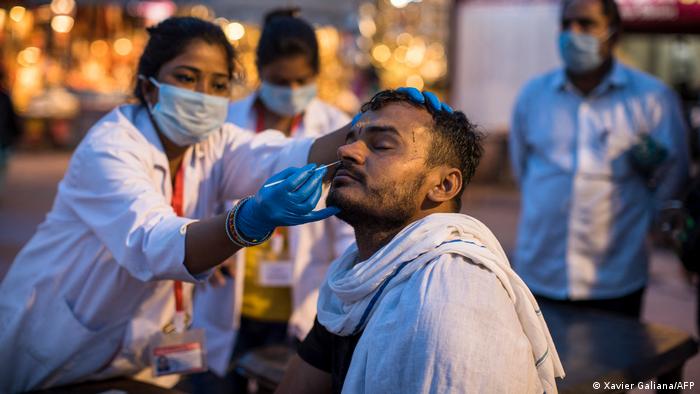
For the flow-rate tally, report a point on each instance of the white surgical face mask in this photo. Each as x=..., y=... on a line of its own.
x=285, y=100
x=580, y=52
x=186, y=117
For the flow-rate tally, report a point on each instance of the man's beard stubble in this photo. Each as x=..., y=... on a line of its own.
x=387, y=207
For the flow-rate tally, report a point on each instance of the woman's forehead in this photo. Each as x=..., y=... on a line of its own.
x=200, y=55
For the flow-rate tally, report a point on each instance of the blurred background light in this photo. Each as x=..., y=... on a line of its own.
x=234, y=31
x=62, y=6
x=123, y=46
x=62, y=23
x=17, y=13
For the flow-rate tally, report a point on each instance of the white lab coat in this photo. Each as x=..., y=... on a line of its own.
x=94, y=284
x=313, y=247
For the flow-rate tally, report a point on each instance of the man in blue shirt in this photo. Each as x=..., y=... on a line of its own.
x=596, y=147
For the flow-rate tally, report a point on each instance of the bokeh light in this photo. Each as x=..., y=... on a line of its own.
x=381, y=53
x=415, y=81
x=234, y=31
x=62, y=6
x=17, y=13
x=99, y=48
x=123, y=46
x=62, y=23
x=28, y=56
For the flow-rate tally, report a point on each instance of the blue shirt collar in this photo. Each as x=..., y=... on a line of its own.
x=617, y=77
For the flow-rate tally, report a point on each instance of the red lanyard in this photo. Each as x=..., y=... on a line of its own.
x=260, y=120
x=177, y=204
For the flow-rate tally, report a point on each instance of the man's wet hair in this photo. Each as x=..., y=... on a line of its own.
x=456, y=141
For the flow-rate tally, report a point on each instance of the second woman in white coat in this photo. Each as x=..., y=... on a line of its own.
x=273, y=312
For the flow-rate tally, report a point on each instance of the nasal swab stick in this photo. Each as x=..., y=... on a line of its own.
x=317, y=169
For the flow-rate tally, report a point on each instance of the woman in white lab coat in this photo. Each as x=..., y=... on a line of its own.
x=135, y=215
x=288, y=65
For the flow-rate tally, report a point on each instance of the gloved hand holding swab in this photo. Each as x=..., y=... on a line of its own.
x=317, y=169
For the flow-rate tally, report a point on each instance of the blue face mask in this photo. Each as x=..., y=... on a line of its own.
x=186, y=117
x=287, y=101
x=580, y=52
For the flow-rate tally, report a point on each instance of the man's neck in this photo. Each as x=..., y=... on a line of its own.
x=370, y=240
x=586, y=82
x=370, y=237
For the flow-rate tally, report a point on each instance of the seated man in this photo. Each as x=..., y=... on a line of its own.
x=425, y=301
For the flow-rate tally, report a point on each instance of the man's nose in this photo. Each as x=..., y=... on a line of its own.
x=354, y=152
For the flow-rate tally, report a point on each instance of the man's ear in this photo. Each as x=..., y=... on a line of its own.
x=448, y=186
x=612, y=40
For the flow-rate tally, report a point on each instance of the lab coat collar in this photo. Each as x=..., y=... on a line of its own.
x=559, y=79
x=617, y=77
x=142, y=123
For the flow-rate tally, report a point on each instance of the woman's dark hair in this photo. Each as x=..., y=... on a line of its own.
x=169, y=38
x=285, y=34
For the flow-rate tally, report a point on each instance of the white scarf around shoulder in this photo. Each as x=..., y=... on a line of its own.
x=351, y=294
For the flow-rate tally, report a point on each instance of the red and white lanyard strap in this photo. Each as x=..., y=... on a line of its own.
x=177, y=203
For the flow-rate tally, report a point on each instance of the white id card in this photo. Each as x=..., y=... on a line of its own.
x=179, y=353
x=275, y=273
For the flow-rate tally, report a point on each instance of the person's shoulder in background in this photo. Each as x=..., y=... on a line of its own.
x=239, y=112
x=644, y=82
x=542, y=82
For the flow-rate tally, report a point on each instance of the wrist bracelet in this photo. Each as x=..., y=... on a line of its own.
x=229, y=219
x=232, y=231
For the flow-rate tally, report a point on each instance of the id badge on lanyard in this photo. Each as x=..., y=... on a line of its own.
x=276, y=269
x=178, y=350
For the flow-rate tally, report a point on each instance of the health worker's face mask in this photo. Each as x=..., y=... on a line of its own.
x=285, y=100
x=580, y=52
x=186, y=117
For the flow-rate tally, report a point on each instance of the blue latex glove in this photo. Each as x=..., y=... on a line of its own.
x=427, y=99
x=286, y=204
